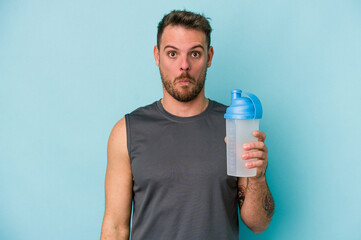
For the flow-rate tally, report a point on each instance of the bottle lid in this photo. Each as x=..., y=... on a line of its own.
x=246, y=107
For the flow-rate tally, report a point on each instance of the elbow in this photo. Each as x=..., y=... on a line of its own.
x=110, y=230
x=258, y=229
x=257, y=226
x=111, y=233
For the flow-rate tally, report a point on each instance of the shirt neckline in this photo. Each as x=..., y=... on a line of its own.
x=183, y=119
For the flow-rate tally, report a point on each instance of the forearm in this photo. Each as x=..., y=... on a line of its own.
x=258, y=205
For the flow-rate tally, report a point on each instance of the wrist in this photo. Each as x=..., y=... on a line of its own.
x=256, y=179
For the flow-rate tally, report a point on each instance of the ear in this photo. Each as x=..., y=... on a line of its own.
x=210, y=56
x=156, y=54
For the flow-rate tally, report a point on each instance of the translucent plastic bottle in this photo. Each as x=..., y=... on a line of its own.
x=242, y=119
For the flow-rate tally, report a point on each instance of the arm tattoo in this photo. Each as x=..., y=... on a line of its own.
x=269, y=205
x=242, y=194
x=261, y=174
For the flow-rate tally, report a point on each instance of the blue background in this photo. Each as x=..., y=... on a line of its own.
x=69, y=70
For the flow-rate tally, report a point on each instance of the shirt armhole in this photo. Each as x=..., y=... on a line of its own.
x=127, y=125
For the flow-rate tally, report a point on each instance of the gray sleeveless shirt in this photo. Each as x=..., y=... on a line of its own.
x=181, y=189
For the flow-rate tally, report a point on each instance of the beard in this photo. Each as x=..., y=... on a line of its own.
x=187, y=93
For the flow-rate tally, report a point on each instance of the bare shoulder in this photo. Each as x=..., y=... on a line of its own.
x=118, y=130
x=117, y=143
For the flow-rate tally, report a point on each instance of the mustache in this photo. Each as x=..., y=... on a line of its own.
x=183, y=76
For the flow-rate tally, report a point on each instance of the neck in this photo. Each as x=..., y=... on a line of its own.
x=185, y=109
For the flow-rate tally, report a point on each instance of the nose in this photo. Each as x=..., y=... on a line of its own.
x=185, y=66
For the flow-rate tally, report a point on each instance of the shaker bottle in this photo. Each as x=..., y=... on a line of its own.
x=242, y=119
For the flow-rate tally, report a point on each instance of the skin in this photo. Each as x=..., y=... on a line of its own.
x=183, y=52
x=118, y=187
x=255, y=199
x=183, y=58
x=256, y=202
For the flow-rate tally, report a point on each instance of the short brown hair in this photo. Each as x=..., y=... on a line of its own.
x=185, y=19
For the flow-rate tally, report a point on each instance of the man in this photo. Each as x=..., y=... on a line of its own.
x=170, y=156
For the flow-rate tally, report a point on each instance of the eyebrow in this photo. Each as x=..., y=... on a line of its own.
x=196, y=46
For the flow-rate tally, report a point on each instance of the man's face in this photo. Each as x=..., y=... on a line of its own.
x=183, y=59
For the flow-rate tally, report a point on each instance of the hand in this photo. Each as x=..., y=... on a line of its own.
x=259, y=151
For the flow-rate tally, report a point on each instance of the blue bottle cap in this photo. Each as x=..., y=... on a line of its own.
x=247, y=107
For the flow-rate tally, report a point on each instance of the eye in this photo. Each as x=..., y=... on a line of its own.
x=196, y=54
x=172, y=54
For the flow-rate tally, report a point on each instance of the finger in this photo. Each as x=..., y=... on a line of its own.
x=261, y=136
x=255, y=154
x=225, y=139
x=255, y=164
x=255, y=145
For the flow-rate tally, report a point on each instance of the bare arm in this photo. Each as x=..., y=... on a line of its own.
x=118, y=187
x=256, y=204
x=255, y=199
